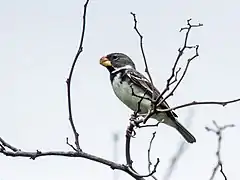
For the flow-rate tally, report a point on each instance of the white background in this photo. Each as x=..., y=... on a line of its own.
x=38, y=41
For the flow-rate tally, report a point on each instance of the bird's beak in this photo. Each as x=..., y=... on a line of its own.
x=105, y=61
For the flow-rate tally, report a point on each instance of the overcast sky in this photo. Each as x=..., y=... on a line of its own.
x=38, y=41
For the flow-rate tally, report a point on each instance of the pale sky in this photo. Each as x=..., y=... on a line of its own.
x=39, y=40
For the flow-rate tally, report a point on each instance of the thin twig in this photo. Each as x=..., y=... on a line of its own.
x=2, y=148
x=142, y=51
x=80, y=49
x=173, y=77
x=141, y=46
x=183, y=75
x=140, y=100
x=149, y=125
x=70, y=145
x=149, y=151
x=194, y=103
x=219, y=132
x=181, y=149
x=176, y=77
x=149, y=155
x=180, y=53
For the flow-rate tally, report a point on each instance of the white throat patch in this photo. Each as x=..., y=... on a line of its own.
x=121, y=68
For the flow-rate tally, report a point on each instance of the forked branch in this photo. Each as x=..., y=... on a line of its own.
x=219, y=133
x=80, y=49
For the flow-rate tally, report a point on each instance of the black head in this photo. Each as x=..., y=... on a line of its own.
x=115, y=61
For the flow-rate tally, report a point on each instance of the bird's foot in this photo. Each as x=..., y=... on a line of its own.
x=130, y=132
x=136, y=120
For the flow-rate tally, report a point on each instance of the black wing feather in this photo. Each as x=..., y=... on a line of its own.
x=142, y=82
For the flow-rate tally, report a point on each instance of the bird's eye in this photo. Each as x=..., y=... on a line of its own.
x=114, y=57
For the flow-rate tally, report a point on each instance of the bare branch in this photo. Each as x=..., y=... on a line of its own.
x=149, y=157
x=127, y=145
x=5, y=144
x=147, y=175
x=70, y=145
x=80, y=49
x=142, y=50
x=219, y=132
x=149, y=125
x=193, y=103
x=181, y=149
x=176, y=77
x=14, y=152
x=2, y=148
x=134, y=122
x=129, y=132
x=140, y=100
x=175, y=159
x=183, y=75
x=180, y=53
x=141, y=46
x=130, y=129
x=189, y=25
x=173, y=77
x=149, y=151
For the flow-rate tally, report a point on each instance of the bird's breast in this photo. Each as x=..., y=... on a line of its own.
x=130, y=94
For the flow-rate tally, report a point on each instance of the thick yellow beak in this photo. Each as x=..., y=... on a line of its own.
x=105, y=61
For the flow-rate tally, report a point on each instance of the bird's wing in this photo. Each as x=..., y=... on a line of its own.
x=141, y=81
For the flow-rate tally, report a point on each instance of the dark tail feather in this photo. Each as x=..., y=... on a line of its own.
x=185, y=133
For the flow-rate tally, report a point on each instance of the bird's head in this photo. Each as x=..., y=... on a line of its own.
x=115, y=61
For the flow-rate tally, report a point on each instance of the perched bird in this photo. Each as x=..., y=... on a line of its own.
x=131, y=87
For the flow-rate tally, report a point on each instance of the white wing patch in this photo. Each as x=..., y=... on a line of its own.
x=141, y=80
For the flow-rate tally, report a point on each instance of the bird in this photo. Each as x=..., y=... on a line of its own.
x=132, y=88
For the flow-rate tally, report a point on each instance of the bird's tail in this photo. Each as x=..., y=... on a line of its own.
x=184, y=132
